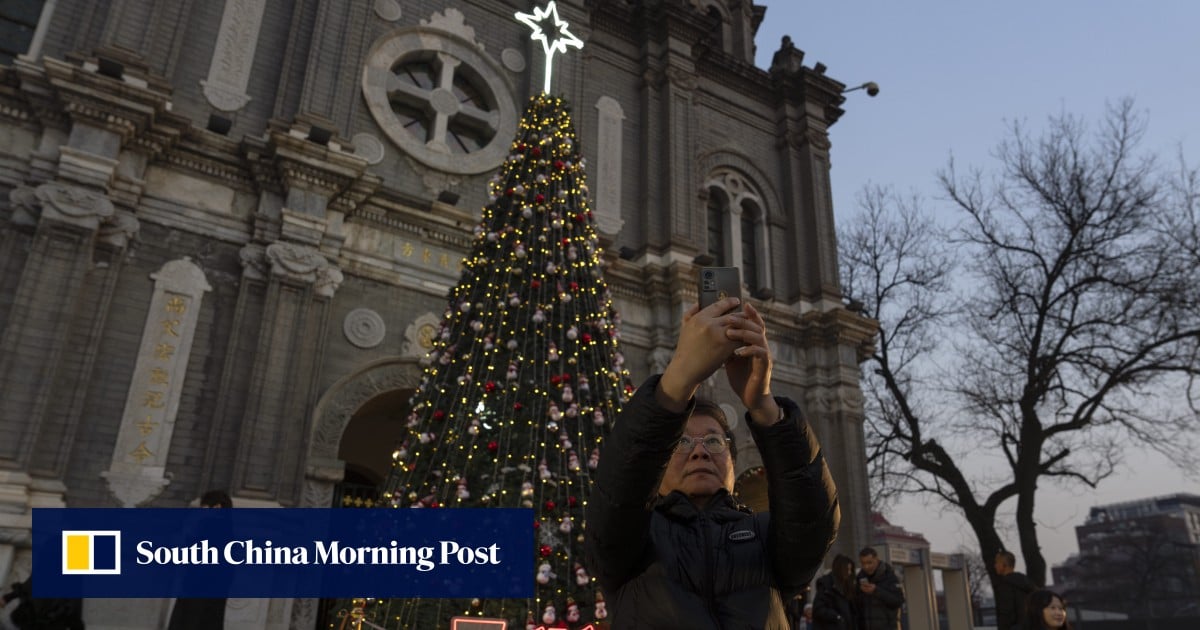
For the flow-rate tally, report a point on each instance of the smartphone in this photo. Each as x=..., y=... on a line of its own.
x=719, y=282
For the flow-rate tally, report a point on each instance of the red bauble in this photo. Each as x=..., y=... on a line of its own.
x=545, y=550
x=537, y=525
x=490, y=386
x=574, y=286
x=439, y=415
x=587, y=338
x=572, y=501
x=559, y=164
x=520, y=146
x=435, y=504
x=579, y=217
x=508, y=192
x=539, y=198
x=536, y=152
x=518, y=406
x=566, y=241
x=493, y=446
x=555, y=379
x=566, y=376
x=550, y=505
x=533, y=284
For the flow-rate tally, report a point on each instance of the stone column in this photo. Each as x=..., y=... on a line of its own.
x=291, y=333
x=36, y=337
x=808, y=107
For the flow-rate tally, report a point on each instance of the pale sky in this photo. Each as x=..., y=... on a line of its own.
x=951, y=74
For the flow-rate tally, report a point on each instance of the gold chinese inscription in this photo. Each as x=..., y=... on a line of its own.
x=141, y=453
x=164, y=351
x=146, y=426
x=175, y=305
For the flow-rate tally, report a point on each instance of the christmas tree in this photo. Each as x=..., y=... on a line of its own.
x=522, y=381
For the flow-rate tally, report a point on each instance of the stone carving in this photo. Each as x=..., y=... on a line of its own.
x=296, y=261
x=119, y=229
x=328, y=280
x=659, y=358
x=368, y=147
x=607, y=203
x=25, y=206
x=137, y=472
x=304, y=613
x=450, y=45
x=364, y=328
x=681, y=79
x=337, y=406
x=254, y=264
x=233, y=57
x=388, y=10
x=453, y=21
x=72, y=203
x=513, y=59
x=418, y=337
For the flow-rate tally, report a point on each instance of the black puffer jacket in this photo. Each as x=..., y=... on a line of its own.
x=664, y=564
x=881, y=609
x=834, y=609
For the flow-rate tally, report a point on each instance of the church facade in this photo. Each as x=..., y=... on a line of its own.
x=227, y=232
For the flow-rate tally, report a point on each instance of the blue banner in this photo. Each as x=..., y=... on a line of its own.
x=248, y=552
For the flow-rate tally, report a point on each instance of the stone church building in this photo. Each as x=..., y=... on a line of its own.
x=227, y=232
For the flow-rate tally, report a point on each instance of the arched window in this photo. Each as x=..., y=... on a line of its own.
x=749, y=247
x=718, y=206
x=737, y=229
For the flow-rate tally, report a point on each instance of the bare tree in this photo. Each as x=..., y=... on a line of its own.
x=1069, y=331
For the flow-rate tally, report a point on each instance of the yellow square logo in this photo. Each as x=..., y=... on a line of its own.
x=91, y=552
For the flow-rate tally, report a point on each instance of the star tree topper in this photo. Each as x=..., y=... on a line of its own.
x=561, y=36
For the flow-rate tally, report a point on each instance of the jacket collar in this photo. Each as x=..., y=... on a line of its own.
x=721, y=508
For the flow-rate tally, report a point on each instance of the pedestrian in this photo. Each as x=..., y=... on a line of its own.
x=1046, y=610
x=836, y=605
x=669, y=545
x=195, y=613
x=1012, y=587
x=880, y=594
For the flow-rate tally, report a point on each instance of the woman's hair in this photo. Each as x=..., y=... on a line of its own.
x=1036, y=603
x=843, y=574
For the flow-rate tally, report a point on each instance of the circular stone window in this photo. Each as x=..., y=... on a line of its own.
x=440, y=99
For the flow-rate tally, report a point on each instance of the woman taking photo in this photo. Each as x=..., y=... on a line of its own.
x=1046, y=610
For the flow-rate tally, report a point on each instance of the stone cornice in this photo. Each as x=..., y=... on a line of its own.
x=125, y=107
x=839, y=326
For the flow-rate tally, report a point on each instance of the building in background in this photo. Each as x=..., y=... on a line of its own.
x=1137, y=558
x=227, y=232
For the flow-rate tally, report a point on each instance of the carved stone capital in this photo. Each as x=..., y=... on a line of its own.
x=26, y=209
x=119, y=229
x=72, y=204
x=306, y=264
x=254, y=264
x=681, y=79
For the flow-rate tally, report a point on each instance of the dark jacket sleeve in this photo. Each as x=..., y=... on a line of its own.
x=802, y=496
x=887, y=588
x=617, y=538
x=824, y=607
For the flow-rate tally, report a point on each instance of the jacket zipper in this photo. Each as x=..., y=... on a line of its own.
x=710, y=587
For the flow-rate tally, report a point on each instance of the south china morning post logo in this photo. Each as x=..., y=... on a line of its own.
x=283, y=552
x=87, y=552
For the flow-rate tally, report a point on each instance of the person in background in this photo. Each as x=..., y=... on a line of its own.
x=880, y=595
x=1011, y=590
x=669, y=545
x=1045, y=610
x=202, y=613
x=43, y=613
x=799, y=611
x=835, y=606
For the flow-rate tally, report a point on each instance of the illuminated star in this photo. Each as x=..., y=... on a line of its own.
x=562, y=38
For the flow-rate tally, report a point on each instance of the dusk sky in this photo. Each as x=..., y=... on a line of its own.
x=951, y=75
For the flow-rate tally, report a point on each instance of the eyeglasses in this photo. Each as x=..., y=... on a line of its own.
x=712, y=443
